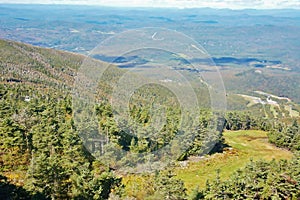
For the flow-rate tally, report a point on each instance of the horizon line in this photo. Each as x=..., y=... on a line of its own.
x=158, y=7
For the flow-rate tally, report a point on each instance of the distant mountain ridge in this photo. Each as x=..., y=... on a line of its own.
x=20, y=62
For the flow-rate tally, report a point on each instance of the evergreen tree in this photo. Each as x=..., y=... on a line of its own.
x=168, y=187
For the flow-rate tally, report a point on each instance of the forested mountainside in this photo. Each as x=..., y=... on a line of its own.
x=25, y=63
x=43, y=157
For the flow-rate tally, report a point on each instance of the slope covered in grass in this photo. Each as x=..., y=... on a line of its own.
x=243, y=147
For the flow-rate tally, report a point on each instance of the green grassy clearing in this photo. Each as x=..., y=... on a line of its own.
x=244, y=146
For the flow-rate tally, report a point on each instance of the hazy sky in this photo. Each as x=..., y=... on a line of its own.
x=234, y=4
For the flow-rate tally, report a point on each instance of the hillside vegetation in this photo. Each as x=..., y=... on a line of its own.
x=43, y=154
x=40, y=143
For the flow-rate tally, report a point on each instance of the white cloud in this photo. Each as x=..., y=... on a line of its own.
x=234, y=4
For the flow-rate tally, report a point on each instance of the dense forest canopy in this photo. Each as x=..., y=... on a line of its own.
x=44, y=155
